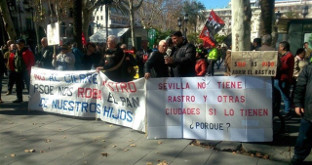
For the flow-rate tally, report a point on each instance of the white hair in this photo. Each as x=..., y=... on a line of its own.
x=161, y=41
x=112, y=38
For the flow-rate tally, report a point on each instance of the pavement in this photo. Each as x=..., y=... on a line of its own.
x=31, y=137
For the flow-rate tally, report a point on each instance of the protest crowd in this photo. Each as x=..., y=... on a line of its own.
x=173, y=57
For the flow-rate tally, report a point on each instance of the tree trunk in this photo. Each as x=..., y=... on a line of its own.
x=241, y=14
x=7, y=20
x=77, y=7
x=37, y=33
x=131, y=12
x=267, y=12
x=86, y=20
x=106, y=21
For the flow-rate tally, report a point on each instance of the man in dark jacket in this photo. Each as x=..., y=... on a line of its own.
x=183, y=59
x=44, y=56
x=303, y=104
x=142, y=56
x=155, y=65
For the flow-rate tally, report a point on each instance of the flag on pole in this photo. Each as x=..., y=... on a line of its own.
x=212, y=26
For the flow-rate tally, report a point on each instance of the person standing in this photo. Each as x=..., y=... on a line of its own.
x=308, y=51
x=182, y=61
x=302, y=102
x=44, y=56
x=10, y=68
x=91, y=58
x=142, y=56
x=201, y=63
x=23, y=61
x=155, y=65
x=213, y=56
x=65, y=60
x=115, y=64
x=283, y=78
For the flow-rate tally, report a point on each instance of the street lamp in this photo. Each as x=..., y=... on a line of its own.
x=185, y=23
x=305, y=10
x=179, y=23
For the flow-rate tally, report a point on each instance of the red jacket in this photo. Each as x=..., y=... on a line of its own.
x=29, y=58
x=201, y=67
x=11, y=62
x=286, y=69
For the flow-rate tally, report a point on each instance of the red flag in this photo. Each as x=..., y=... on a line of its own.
x=212, y=26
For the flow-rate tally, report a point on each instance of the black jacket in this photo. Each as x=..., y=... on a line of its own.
x=156, y=65
x=184, y=60
x=44, y=57
x=111, y=59
x=303, y=92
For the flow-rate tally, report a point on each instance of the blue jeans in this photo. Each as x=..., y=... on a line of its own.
x=283, y=88
x=304, y=142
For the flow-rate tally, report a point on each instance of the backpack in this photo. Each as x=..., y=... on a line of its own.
x=19, y=63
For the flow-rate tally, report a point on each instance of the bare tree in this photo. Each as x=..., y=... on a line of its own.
x=8, y=23
x=129, y=4
x=241, y=14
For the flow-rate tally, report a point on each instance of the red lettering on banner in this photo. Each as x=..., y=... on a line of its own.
x=212, y=112
x=230, y=85
x=90, y=93
x=165, y=86
x=123, y=87
x=254, y=112
x=179, y=99
x=182, y=111
x=231, y=99
x=229, y=113
x=39, y=77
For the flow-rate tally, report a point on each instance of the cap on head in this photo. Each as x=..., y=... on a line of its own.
x=176, y=34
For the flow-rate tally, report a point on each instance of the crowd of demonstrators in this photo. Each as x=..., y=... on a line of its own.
x=182, y=61
x=155, y=65
x=21, y=62
x=201, y=63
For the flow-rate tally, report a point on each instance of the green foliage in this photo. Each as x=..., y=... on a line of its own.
x=219, y=38
x=162, y=35
x=193, y=9
x=194, y=39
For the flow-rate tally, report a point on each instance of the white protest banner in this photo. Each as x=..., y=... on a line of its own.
x=88, y=94
x=254, y=63
x=212, y=108
x=53, y=33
